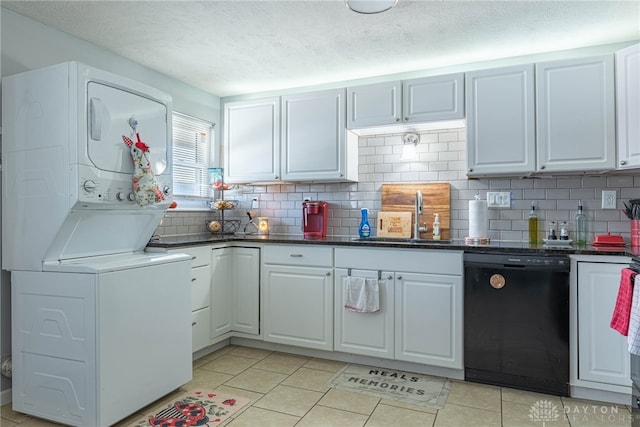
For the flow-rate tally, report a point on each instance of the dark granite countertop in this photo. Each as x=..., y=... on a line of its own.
x=495, y=246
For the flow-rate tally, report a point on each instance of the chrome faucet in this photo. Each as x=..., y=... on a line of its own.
x=417, y=211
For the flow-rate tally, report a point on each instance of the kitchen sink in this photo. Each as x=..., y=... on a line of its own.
x=399, y=240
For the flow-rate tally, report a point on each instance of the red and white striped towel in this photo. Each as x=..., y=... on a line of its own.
x=622, y=309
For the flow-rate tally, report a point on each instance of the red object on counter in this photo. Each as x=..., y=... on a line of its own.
x=622, y=309
x=315, y=215
x=173, y=205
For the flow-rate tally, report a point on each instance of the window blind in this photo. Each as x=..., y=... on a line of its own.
x=192, y=140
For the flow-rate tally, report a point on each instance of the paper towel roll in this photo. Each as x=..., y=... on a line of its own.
x=478, y=219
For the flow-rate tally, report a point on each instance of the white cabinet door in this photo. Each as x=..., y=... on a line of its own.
x=235, y=290
x=501, y=135
x=221, y=291
x=628, y=106
x=428, y=325
x=575, y=115
x=298, y=306
x=369, y=334
x=433, y=98
x=252, y=140
x=374, y=104
x=246, y=290
x=602, y=352
x=313, y=136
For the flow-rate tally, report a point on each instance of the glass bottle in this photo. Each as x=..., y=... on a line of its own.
x=533, y=225
x=581, y=226
x=551, y=235
x=564, y=231
x=364, y=230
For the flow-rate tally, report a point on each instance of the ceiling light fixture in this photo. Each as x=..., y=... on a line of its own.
x=409, y=141
x=370, y=6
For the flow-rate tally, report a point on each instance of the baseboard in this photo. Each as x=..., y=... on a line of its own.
x=601, y=395
x=5, y=396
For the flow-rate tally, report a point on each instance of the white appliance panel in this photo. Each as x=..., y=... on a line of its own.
x=80, y=339
x=109, y=112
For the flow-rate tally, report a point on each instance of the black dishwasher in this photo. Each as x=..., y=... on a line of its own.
x=516, y=321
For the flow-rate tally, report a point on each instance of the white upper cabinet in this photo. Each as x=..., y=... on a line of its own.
x=425, y=99
x=575, y=113
x=628, y=106
x=299, y=137
x=252, y=140
x=374, y=105
x=500, y=107
x=433, y=98
x=314, y=140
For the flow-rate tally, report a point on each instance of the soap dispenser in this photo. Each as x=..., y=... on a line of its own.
x=436, y=226
x=365, y=229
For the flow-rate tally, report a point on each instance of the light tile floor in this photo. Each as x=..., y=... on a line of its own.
x=290, y=390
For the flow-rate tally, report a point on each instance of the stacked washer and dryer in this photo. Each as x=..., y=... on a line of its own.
x=100, y=328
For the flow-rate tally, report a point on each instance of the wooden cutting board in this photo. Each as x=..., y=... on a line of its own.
x=394, y=224
x=436, y=198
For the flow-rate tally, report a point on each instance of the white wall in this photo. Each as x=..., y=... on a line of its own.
x=27, y=44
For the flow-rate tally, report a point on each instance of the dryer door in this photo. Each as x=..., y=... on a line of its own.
x=109, y=110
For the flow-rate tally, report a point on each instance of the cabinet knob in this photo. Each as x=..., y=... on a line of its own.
x=389, y=277
x=275, y=177
x=399, y=277
x=328, y=273
x=471, y=170
x=397, y=119
x=623, y=162
x=193, y=279
x=542, y=167
x=406, y=119
x=193, y=323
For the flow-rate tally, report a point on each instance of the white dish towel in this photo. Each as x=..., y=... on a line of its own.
x=362, y=294
x=633, y=338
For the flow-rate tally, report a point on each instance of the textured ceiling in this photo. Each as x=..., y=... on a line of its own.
x=235, y=47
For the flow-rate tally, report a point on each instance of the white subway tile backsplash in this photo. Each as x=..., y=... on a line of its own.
x=441, y=157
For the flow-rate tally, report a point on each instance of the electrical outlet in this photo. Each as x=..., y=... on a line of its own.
x=501, y=199
x=608, y=199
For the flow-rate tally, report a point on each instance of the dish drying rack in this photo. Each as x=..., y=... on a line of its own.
x=220, y=225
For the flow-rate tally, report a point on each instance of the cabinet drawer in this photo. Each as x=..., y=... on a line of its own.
x=416, y=261
x=299, y=255
x=200, y=329
x=200, y=255
x=200, y=287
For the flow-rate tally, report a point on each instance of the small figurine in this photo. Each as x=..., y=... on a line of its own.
x=145, y=185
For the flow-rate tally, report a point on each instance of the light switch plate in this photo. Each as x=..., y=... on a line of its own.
x=499, y=199
x=608, y=199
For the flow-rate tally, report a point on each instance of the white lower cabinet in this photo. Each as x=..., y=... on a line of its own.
x=603, y=357
x=297, y=296
x=200, y=294
x=369, y=334
x=421, y=306
x=235, y=290
x=428, y=321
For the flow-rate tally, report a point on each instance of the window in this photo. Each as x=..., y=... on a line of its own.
x=192, y=142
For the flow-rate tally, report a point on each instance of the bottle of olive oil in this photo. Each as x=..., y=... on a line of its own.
x=581, y=226
x=533, y=225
